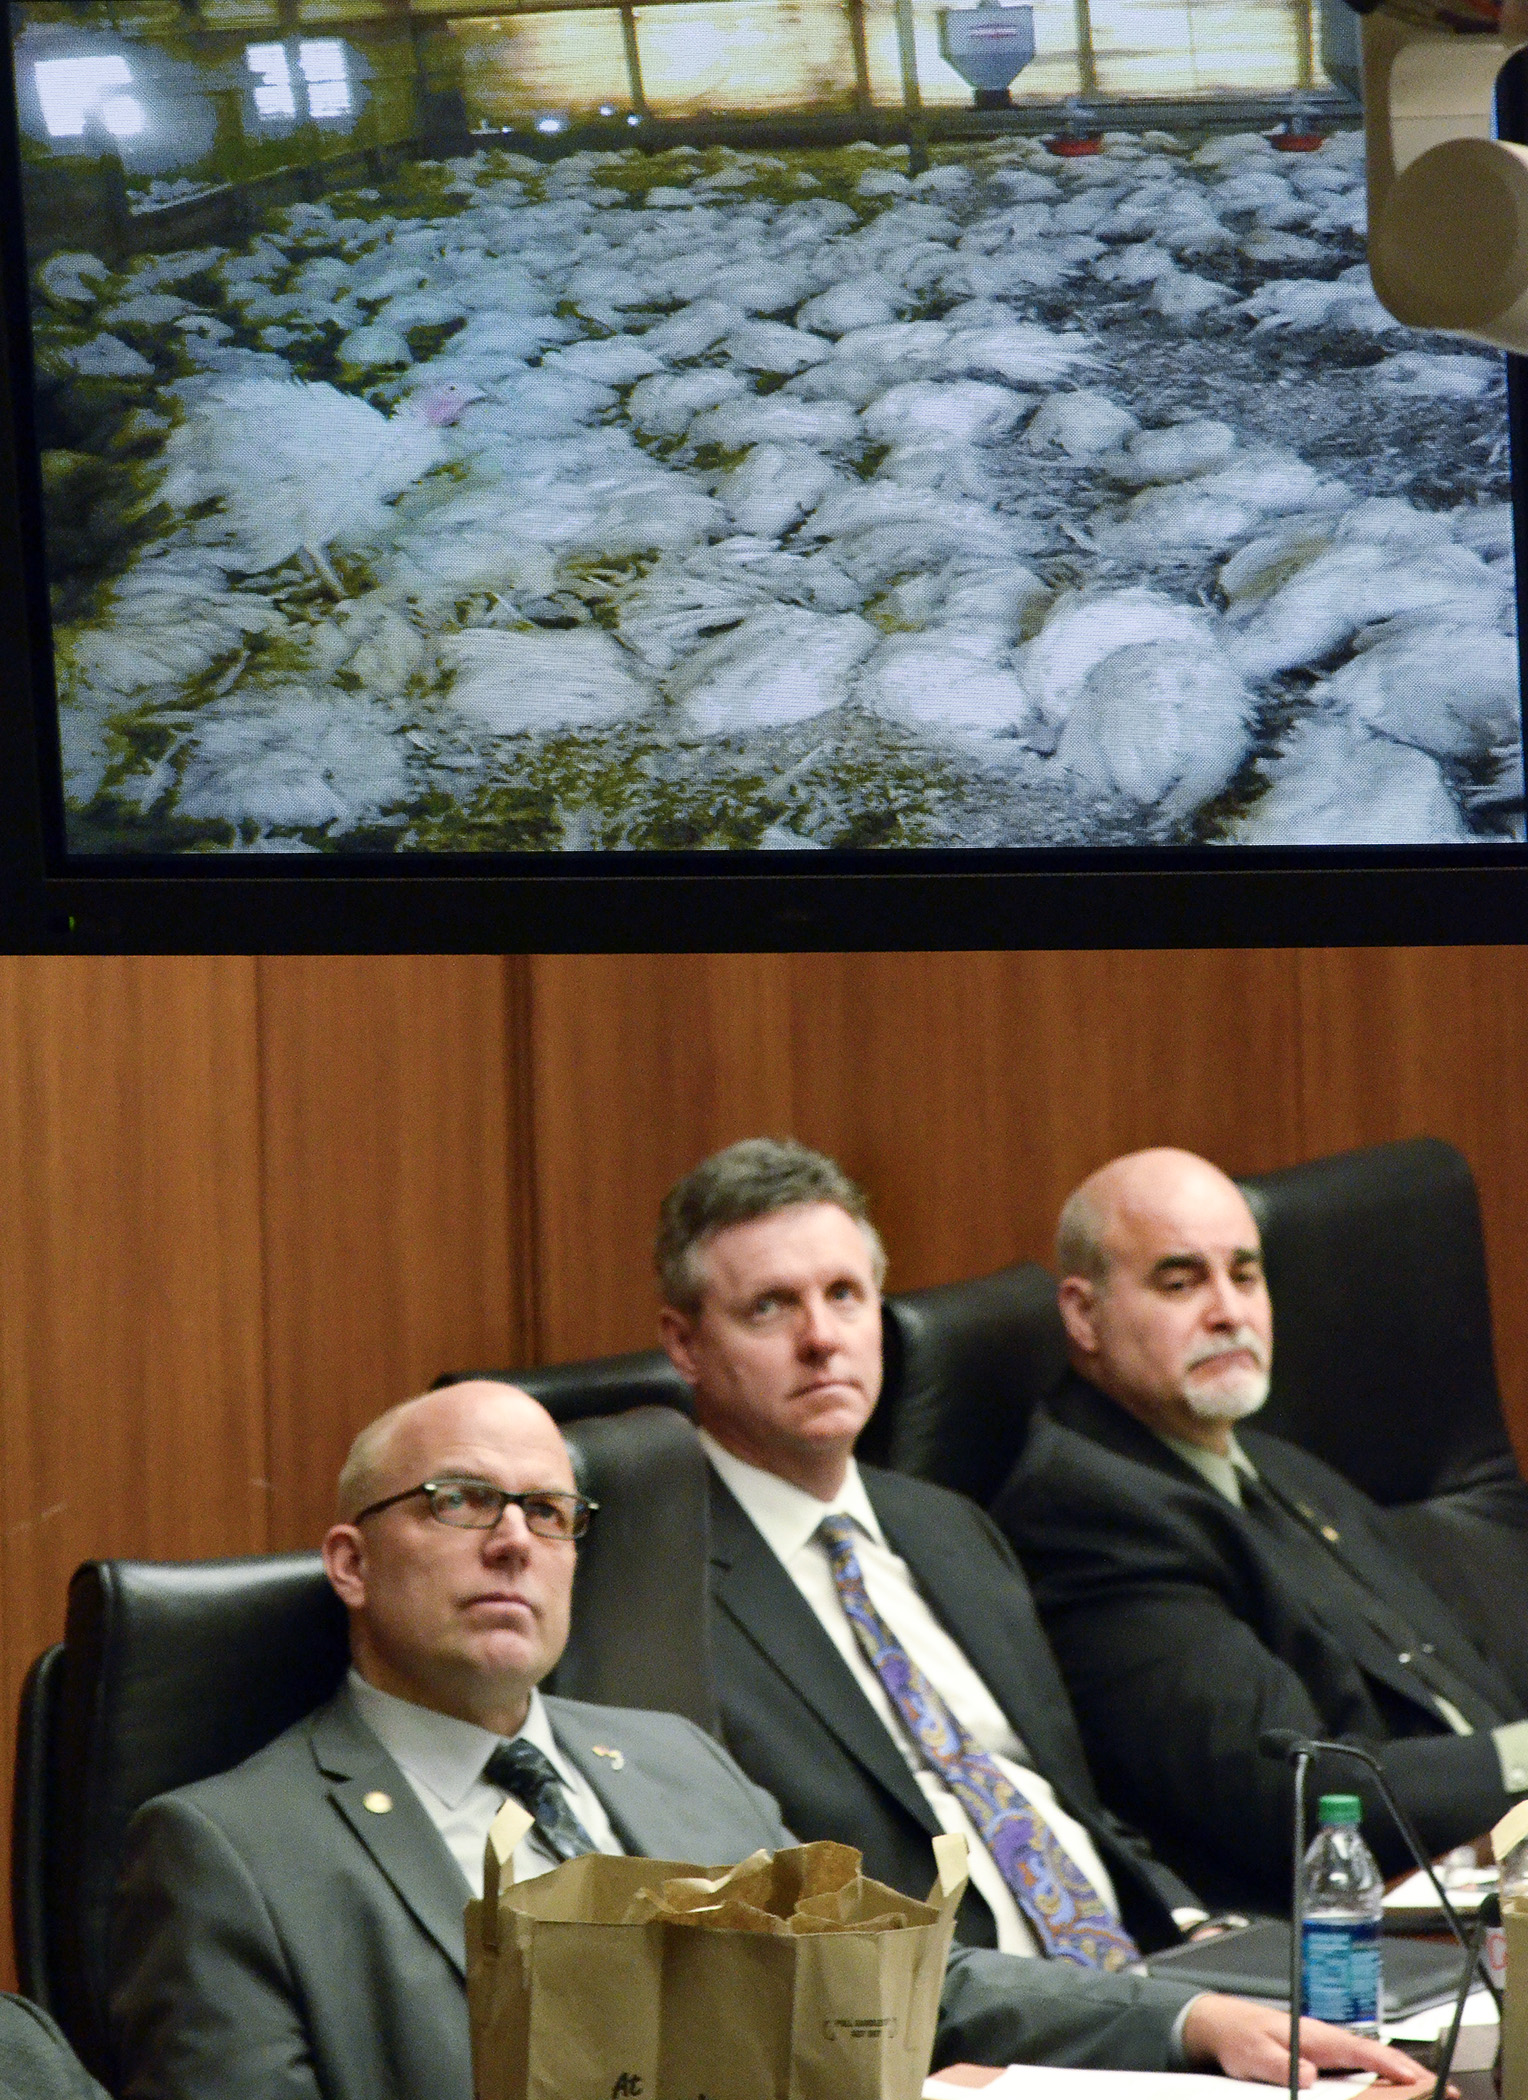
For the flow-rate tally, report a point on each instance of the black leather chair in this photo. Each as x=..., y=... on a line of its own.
x=1384, y=1366
x=1383, y=1362
x=965, y=1365
x=600, y=1385
x=170, y=1671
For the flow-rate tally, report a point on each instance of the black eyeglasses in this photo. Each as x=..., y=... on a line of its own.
x=477, y=1505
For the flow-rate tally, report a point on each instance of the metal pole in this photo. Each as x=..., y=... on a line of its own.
x=633, y=58
x=863, y=101
x=1087, y=61
x=912, y=94
x=1305, y=42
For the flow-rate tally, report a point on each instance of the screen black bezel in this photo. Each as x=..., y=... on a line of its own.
x=891, y=899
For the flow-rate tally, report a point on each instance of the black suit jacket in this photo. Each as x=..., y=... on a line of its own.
x=1184, y=1628
x=797, y=1722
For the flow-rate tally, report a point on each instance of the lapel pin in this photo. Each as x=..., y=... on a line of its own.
x=1330, y=1531
x=378, y=1803
x=617, y=1759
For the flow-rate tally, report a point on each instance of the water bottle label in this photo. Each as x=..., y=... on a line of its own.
x=1342, y=1972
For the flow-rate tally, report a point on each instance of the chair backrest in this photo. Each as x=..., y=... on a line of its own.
x=600, y=1385
x=1382, y=1362
x=171, y=1671
x=965, y=1365
x=168, y=1672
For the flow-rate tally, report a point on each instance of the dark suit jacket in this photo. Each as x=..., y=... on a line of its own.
x=795, y=1719
x=277, y=1940
x=1184, y=1628
x=36, y=2063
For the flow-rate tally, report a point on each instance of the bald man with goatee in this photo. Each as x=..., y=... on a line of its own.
x=1202, y=1581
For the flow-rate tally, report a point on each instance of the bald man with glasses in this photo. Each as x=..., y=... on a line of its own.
x=292, y=1930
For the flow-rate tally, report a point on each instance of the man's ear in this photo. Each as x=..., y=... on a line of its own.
x=344, y=1552
x=1077, y=1298
x=676, y=1331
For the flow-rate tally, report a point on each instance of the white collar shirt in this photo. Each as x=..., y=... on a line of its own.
x=1224, y=1474
x=442, y=1759
x=787, y=1518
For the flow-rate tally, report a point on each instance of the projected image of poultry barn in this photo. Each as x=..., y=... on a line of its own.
x=736, y=424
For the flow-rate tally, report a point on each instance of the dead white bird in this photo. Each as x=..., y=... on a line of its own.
x=297, y=467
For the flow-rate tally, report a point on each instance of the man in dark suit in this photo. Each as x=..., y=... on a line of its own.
x=1201, y=1583
x=879, y=1663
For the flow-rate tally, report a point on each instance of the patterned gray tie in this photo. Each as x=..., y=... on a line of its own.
x=522, y=1770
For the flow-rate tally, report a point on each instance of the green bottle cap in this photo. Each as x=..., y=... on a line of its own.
x=1341, y=1809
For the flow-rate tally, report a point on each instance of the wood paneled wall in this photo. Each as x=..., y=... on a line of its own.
x=248, y=1203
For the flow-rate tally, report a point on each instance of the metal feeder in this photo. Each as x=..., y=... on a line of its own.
x=988, y=45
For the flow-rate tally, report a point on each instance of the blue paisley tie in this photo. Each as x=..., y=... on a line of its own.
x=522, y=1770
x=1069, y=1917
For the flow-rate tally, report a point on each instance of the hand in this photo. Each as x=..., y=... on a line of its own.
x=1226, y=1920
x=1252, y=2041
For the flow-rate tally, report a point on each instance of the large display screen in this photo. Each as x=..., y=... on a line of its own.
x=651, y=425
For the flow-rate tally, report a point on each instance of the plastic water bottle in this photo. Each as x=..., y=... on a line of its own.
x=1344, y=1900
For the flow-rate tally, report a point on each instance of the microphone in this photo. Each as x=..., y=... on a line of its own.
x=1287, y=1745
x=1281, y=1743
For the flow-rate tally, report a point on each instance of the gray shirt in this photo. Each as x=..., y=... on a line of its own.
x=442, y=1759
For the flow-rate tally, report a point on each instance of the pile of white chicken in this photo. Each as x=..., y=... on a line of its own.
x=1099, y=496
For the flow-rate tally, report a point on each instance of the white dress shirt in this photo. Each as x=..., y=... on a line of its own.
x=443, y=1758
x=787, y=1518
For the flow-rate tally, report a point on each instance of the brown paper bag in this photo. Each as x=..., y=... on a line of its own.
x=791, y=1977
x=1505, y=1838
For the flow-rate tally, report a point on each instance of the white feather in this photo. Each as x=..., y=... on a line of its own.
x=294, y=465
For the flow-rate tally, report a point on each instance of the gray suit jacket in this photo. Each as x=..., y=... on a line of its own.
x=276, y=1940
x=36, y=2063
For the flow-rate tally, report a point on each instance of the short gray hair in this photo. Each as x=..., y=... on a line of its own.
x=748, y=1180
x=1080, y=1249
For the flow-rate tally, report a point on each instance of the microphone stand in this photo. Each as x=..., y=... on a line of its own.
x=1277, y=1743
x=1490, y=1914
x=1302, y=1758
x=1477, y=1963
